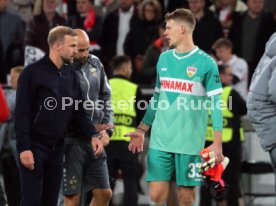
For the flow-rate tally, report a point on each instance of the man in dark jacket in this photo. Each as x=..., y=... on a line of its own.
x=11, y=40
x=48, y=99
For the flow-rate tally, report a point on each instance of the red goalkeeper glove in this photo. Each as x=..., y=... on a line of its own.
x=212, y=173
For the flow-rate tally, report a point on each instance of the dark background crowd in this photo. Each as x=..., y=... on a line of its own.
x=133, y=28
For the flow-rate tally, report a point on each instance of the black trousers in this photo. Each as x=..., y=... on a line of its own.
x=11, y=179
x=40, y=187
x=231, y=175
x=119, y=157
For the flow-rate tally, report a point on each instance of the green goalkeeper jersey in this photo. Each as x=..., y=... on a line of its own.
x=184, y=85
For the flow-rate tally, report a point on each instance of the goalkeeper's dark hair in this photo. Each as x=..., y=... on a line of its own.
x=184, y=15
x=118, y=61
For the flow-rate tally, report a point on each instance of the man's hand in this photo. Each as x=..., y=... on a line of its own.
x=97, y=145
x=136, y=141
x=217, y=149
x=209, y=160
x=27, y=159
x=104, y=138
x=210, y=169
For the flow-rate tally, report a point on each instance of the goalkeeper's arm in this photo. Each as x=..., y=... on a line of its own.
x=217, y=123
x=150, y=113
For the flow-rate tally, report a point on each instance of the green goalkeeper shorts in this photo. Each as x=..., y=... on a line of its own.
x=167, y=166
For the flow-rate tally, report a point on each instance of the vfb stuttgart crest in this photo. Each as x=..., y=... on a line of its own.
x=191, y=71
x=93, y=71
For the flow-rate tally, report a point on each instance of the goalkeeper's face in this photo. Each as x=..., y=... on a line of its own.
x=83, y=51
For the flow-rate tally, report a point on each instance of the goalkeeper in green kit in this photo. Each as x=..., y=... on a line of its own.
x=187, y=79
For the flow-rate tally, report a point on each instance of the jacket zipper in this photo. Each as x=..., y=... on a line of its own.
x=37, y=115
x=87, y=94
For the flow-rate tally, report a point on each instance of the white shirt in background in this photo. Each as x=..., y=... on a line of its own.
x=240, y=70
x=123, y=29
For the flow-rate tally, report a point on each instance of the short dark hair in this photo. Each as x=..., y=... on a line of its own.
x=118, y=61
x=222, y=42
x=58, y=33
x=184, y=15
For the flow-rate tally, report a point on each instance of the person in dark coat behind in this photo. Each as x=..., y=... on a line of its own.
x=38, y=28
x=249, y=33
x=142, y=33
x=208, y=28
x=116, y=26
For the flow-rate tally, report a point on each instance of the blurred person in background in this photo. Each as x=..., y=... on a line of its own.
x=9, y=159
x=23, y=7
x=88, y=20
x=152, y=53
x=249, y=33
x=169, y=6
x=270, y=7
x=142, y=33
x=223, y=49
x=116, y=26
x=37, y=30
x=4, y=115
x=125, y=120
x=5, y=111
x=11, y=40
x=207, y=28
x=226, y=11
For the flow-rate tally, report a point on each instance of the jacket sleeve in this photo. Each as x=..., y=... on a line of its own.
x=105, y=97
x=81, y=119
x=22, y=118
x=272, y=83
x=4, y=111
